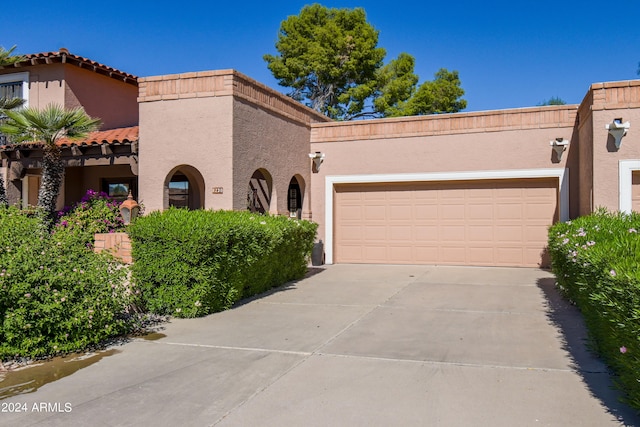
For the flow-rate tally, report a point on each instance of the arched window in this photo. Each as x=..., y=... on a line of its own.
x=259, y=192
x=179, y=191
x=184, y=188
x=294, y=199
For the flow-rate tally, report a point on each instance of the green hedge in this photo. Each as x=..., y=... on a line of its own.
x=192, y=263
x=56, y=294
x=596, y=260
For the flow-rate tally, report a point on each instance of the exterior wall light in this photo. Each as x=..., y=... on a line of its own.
x=617, y=130
x=317, y=158
x=129, y=209
x=559, y=145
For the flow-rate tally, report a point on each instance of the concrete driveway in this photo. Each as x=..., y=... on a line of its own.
x=354, y=345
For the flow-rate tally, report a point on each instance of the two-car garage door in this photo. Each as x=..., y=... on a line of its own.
x=487, y=222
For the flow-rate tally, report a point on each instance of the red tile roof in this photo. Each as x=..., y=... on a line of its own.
x=63, y=56
x=111, y=136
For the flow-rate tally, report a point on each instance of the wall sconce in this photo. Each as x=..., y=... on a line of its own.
x=129, y=209
x=617, y=130
x=559, y=145
x=317, y=158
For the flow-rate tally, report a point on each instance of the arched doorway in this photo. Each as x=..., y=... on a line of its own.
x=294, y=198
x=184, y=188
x=259, y=192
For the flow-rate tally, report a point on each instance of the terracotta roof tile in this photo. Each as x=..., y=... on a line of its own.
x=110, y=136
x=63, y=56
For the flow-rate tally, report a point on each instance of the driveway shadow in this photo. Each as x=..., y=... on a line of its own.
x=575, y=338
x=311, y=271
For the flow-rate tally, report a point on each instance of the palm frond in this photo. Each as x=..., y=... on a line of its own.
x=48, y=125
x=7, y=57
x=10, y=103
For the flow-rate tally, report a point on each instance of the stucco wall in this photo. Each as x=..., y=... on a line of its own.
x=262, y=139
x=585, y=155
x=46, y=84
x=610, y=101
x=113, y=101
x=484, y=141
x=195, y=132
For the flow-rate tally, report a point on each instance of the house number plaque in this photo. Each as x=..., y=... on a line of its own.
x=217, y=190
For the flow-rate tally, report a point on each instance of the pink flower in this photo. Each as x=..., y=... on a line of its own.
x=623, y=349
x=27, y=295
x=613, y=273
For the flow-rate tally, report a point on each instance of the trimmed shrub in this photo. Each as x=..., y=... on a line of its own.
x=193, y=263
x=56, y=294
x=596, y=260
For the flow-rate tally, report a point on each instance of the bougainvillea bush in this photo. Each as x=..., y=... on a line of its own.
x=596, y=260
x=56, y=294
x=95, y=213
x=192, y=263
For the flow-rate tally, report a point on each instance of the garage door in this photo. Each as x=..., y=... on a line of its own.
x=635, y=191
x=488, y=222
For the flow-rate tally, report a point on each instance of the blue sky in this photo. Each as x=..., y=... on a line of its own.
x=509, y=54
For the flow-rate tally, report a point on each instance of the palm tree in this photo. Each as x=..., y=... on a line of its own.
x=7, y=58
x=47, y=126
x=6, y=104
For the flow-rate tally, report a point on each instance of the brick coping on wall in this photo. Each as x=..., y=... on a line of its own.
x=117, y=244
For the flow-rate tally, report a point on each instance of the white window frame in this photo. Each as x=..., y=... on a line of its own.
x=331, y=181
x=18, y=77
x=625, y=184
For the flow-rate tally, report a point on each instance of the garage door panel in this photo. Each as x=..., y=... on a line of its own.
x=351, y=233
x=376, y=254
x=351, y=253
x=480, y=233
x=374, y=233
x=400, y=254
x=536, y=211
x=451, y=233
x=476, y=210
x=375, y=195
x=507, y=234
x=400, y=212
x=425, y=211
x=425, y=233
x=497, y=222
x=480, y=255
x=375, y=212
x=351, y=212
x=510, y=210
x=509, y=255
x=452, y=255
x=401, y=233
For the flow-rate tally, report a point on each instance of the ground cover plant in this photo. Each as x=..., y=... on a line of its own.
x=192, y=263
x=596, y=260
x=56, y=295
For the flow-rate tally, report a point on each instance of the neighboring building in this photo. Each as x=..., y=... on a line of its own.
x=477, y=188
x=107, y=159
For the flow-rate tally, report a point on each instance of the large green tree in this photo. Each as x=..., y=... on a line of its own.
x=331, y=61
x=7, y=58
x=47, y=126
x=554, y=100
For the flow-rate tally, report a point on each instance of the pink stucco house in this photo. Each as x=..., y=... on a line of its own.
x=476, y=188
